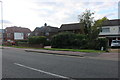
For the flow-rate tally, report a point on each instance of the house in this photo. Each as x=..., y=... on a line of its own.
x=74, y=27
x=111, y=30
x=16, y=33
x=45, y=30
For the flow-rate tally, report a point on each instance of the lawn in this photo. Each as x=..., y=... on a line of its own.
x=76, y=50
x=58, y=49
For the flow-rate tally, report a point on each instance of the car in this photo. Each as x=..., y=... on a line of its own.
x=115, y=43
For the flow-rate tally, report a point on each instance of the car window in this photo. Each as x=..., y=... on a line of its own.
x=118, y=41
x=114, y=41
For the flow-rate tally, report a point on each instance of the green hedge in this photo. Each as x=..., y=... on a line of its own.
x=20, y=41
x=101, y=42
x=77, y=41
x=37, y=40
x=68, y=40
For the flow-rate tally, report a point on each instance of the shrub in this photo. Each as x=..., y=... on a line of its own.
x=102, y=42
x=20, y=41
x=48, y=43
x=37, y=40
x=24, y=44
x=68, y=40
x=62, y=40
x=80, y=40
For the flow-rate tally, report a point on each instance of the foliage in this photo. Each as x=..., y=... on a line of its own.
x=75, y=50
x=48, y=43
x=102, y=42
x=68, y=40
x=90, y=25
x=87, y=20
x=92, y=28
x=77, y=41
x=58, y=49
x=80, y=40
x=37, y=40
x=20, y=41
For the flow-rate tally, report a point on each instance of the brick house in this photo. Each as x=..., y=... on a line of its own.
x=16, y=33
x=45, y=30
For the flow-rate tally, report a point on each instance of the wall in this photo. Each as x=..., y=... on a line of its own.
x=114, y=30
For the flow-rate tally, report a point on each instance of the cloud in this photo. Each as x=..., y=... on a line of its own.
x=5, y=22
x=34, y=13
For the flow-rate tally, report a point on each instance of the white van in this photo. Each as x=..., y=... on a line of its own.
x=115, y=43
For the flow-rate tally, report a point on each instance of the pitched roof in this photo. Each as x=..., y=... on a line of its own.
x=75, y=26
x=72, y=26
x=17, y=29
x=46, y=29
x=114, y=22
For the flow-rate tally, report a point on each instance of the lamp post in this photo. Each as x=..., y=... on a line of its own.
x=1, y=40
x=2, y=19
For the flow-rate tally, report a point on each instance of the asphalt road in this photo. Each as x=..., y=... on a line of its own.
x=20, y=64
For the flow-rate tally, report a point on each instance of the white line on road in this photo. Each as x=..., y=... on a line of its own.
x=40, y=71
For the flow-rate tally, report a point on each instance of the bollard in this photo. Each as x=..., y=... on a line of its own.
x=102, y=48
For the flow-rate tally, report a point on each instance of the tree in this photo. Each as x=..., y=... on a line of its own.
x=87, y=20
x=92, y=27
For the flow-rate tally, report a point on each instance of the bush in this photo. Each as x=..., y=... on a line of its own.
x=20, y=41
x=77, y=41
x=80, y=40
x=47, y=43
x=37, y=40
x=62, y=40
x=24, y=44
x=101, y=42
x=68, y=40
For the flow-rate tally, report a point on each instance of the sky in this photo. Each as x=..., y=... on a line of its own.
x=34, y=13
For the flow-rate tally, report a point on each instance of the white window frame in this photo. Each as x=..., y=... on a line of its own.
x=107, y=31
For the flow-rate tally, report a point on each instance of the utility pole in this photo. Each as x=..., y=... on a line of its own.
x=2, y=19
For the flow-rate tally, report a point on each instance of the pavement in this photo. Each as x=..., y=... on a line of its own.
x=17, y=63
x=105, y=56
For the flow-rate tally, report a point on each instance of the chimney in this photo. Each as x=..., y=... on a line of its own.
x=45, y=24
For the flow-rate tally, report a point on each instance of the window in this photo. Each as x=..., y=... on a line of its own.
x=105, y=29
x=8, y=35
x=47, y=33
x=28, y=34
x=119, y=29
x=18, y=36
x=36, y=34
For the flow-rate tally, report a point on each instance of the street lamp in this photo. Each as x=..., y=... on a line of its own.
x=2, y=19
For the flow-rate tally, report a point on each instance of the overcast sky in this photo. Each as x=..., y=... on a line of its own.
x=34, y=13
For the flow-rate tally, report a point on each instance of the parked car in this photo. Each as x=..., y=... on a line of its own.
x=115, y=43
x=11, y=42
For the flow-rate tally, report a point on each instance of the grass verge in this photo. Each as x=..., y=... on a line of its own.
x=58, y=49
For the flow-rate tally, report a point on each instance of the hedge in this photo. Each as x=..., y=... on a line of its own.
x=68, y=40
x=102, y=42
x=37, y=40
x=77, y=41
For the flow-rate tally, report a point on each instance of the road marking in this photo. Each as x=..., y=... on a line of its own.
x=38, y=70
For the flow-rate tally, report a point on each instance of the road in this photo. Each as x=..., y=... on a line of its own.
x=20, y=64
